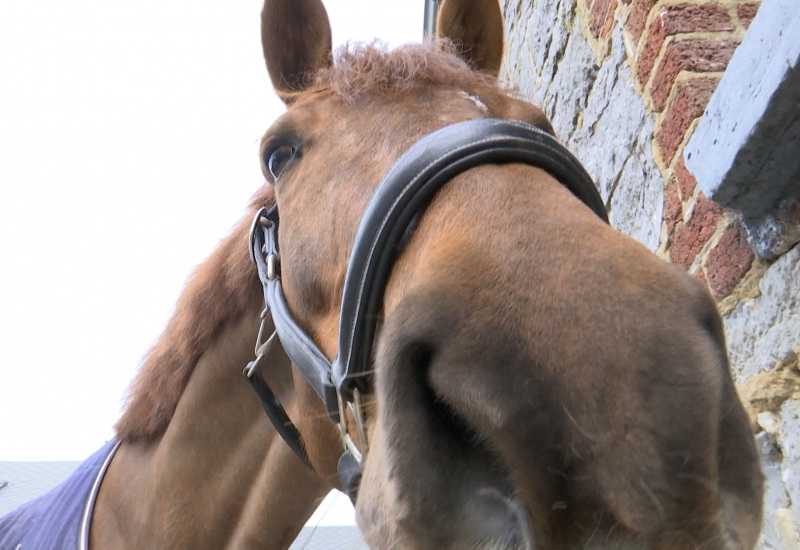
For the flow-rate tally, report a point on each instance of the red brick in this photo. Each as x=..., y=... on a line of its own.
x=638, y=17
x=601, y=17
x=673, y=210
x=686, y=181
x=689, y=103
x=746, y=13
x=728, y=261
x=689, y=239
x=676, y=19
x=696, y=55
x=610, y=18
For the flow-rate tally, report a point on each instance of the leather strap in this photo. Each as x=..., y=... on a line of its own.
x=406, y=189
x=300, y=348
x=270, y=353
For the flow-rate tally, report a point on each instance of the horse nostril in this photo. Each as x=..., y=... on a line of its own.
x=442, y=418
x=501, y=519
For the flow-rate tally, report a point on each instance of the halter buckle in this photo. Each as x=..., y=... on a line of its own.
x=358, y=415
x=273, y=266
x=261, y=219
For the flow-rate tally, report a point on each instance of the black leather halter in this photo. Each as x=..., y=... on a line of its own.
x=403, y=192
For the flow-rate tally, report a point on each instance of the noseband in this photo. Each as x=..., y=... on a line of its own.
x=403, y=193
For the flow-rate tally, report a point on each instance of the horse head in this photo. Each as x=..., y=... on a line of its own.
x=536, y=379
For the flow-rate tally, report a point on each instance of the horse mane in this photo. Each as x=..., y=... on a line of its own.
x=360, y=70
x=218, y=292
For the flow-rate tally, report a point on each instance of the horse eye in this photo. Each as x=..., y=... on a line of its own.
x=279, y=158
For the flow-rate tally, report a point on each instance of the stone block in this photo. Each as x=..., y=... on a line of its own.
x=536, y=45
x=636, y=206
x=786, y=526
x=790, y=449
x=602, y=92
x=763, y=331
x=514, y=18
x=574, y=76
x=612, y=121
x=774, y=497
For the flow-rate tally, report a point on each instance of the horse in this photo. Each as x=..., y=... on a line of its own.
x=454, y=335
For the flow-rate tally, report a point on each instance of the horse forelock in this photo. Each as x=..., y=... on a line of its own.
x=364, y=69
x=217, y=293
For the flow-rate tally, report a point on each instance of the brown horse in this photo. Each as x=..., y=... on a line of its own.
x=539, y=380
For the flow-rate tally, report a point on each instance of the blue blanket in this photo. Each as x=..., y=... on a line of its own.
x=55, y=521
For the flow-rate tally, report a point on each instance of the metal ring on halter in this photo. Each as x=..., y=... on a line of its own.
x=258, y=220
x=262, y=346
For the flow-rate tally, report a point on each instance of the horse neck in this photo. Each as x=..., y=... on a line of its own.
x=218, y=477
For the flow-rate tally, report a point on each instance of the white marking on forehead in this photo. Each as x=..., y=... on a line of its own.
x=476, y=100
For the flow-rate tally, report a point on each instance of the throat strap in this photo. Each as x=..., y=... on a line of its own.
x=300, y=348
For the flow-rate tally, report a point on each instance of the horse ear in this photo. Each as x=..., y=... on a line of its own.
x=296, y=38
x=476, y=28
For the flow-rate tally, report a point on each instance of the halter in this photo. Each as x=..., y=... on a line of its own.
x=403, y=192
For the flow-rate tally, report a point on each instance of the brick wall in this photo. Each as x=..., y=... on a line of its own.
x=678, y=51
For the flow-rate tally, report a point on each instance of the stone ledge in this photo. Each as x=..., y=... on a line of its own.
x=744, y=151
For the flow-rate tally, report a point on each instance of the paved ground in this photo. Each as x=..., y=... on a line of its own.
x=27, y=480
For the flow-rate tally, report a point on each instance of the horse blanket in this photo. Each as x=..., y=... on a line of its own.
x=59, y=520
